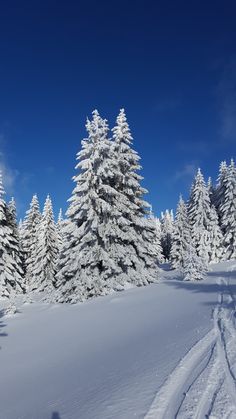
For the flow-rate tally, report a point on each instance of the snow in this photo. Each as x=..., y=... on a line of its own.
x=145, y=352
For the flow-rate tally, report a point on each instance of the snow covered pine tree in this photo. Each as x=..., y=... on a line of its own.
x=181, y=237
x=199, y=211
x=215, y=237
x=136, y=239
x=44, y=270
x=167, y=226
x=228, y=212
x=194, y=266
x=157, y=225
x=109, y=242
x=10, y=267
x=29, y=239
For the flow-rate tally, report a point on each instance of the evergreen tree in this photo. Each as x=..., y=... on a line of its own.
x=109, y=240
x=167, y=226
x=228, y=212
x=60, y=228
x=215, y=237
x=211, y=190
x=29, y=239
x=136, y=239
x=15, y=245
x=181, y=235
x=60, y=218
x=199, y=216
x=10, y=269
x=194, y=266
x=157, y=226
x=85, y=264
x=219, y=195
x=47, y=251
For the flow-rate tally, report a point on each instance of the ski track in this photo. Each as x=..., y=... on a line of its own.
x=203, y=384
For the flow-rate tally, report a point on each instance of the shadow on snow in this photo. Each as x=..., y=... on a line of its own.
x=205, y=287
x=2, y=325
x=55, y=415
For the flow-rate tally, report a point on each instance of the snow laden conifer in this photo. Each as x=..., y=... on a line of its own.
x=136, y=241
x=29, y=239
x=157, y=227
x=181, y=237
x=109, y=241
x=10, y=269
x=14, y=243
x=219, y=194
x=227, y=210
x=60, y=228
x=86, y=263
x=167, y=225
x=211, y=190
x=215, y=237
x=194, y=266
x=45, y=265
x=199, y=216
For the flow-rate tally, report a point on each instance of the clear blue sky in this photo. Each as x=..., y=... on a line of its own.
x=170, y=64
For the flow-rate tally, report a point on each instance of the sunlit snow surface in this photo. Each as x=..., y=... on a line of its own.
x=158, y=351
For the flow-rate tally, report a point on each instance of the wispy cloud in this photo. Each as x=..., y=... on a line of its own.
x=226, y=94
x=9, y=175
x=186, y=173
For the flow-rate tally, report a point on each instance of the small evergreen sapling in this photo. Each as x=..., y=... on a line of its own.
x=194, y=266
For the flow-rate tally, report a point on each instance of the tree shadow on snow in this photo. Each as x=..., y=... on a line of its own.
x=205, y=287
x=2, y=325
x=55, y=415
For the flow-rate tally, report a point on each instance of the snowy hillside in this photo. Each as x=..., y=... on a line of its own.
x=152, y=352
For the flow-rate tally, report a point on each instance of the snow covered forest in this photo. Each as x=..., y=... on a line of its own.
x=109, y=239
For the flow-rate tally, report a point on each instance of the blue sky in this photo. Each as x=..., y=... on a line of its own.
x=170, y=64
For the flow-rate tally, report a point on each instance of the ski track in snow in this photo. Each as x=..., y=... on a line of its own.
x=203, y=384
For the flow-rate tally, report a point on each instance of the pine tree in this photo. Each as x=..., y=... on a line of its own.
x=136, y=239
x=199, y=216
x=60, y=228
x=29, y=239
x=10, y=270
x=181, y=235
x=215, y=237
x=157, y=226
x=85, y=264
x=109, y=240
x=211, y=190
x=219, y=195
x=44, y=270
x=167, y=225
x=194, y=266
x=14, y=243
x=60, y=218
x=228, y=212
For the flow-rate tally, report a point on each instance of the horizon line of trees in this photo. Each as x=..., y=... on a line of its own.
x=109, y=238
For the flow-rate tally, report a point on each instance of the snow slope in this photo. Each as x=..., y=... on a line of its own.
x=163, y=351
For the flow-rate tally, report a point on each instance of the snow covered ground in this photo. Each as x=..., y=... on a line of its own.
x=163, y=351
